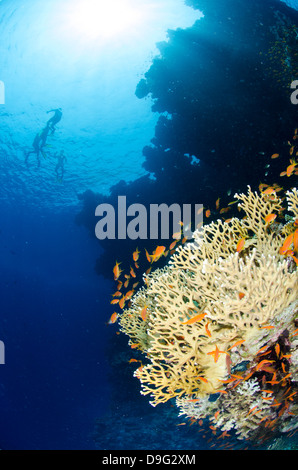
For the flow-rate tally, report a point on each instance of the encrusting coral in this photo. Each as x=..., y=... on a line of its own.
x=219, y=322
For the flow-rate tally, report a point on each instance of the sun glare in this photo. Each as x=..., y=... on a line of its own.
x=103, y=18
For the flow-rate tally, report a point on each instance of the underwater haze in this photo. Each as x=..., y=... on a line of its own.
x=159, y=101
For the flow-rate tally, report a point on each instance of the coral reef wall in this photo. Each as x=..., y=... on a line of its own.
x=220, y=329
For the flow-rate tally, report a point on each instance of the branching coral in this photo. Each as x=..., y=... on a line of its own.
x=220, y=307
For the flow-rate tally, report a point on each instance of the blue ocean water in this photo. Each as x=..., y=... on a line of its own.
x=66, y=382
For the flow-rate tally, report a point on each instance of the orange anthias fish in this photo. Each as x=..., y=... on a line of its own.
x=122, y=302
x=172, y=245
x=287, y=243
x=129, y=294
x=113, y=318
x=132, y=273
x=208, y=213
x=144, y=313
x=216, y=353
x=236, y=344
x=291, y=168
x=157, y=253
x=148, y=256
x=135, y=255
x=224, y=210
x=240, y=245
x=117, y=271
x=295, y=240
x=207, y=329
x=270, y=218
x=194, y=319
x=275, y=155
x=269, y=191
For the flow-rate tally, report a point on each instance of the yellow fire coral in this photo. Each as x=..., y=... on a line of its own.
x=221, y=320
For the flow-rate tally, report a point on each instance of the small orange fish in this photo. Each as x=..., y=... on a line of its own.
x=132, y=273
x=114, y=301
x=172, y=245
x=217, y=203
x=203, y=379
x=262, y=186
x=207, y=329
x=129, y=294
x=216, y=353
x=254, y=408
x=224, y=210
x=286, y=377
x=117, y=294
x=270, y=218
x=208, y=213
x=159, y=251
x=286, y=244
x=194, y=319
x=148, y=256
x=176, y=235
x=240, y=245
x=135, y=255
x=262, y=349
x=275, y=155
x=265, y=361
x=295, y=240
x=239, y=377
x=236, y=344
x=113, y=317
x=122, y=302
x=290, y=169
x=277, y=349
x=144, y=313
x=116, y=271
x=268, y=191
x=241, y=295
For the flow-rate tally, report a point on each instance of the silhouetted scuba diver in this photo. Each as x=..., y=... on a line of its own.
x=55, y=119
x=38, y=143
x=60, y=166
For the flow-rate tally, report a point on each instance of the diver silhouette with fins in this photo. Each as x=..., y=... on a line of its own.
x=60, y=166
x=38, y=143
x=54, y=119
